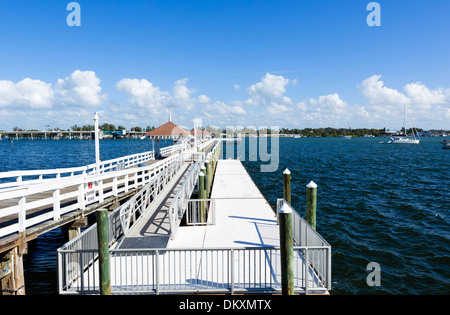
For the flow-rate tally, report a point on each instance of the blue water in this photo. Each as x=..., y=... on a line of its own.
x=376, y=203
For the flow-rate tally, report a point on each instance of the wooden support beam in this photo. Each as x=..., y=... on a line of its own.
x=74, y=228
x=12, y=280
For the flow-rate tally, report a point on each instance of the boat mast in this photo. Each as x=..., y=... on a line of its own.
x=404, y=119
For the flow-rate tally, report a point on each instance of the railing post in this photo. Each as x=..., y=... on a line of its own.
x=115, y=188
x=157, y=271
x=311, y=203
x=202, y=193
x=286, y=250
x=232, y=271
x=56, y=204
x=306, y=271
x=100, y=190
x=103, y=251
x=22, y=214
x=287, y=185
x=81, y=200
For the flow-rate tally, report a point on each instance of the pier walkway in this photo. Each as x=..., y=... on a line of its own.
x=243, y=217
x=152, y=230
x=236, y=250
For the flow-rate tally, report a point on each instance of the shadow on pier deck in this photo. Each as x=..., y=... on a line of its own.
x=237, y=253
x=32, y=207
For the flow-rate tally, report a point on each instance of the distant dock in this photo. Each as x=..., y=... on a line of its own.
x=66, y=135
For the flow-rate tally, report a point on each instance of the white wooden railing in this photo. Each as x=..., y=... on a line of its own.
x=68, y=194
x=18, y=178
x=68, y=189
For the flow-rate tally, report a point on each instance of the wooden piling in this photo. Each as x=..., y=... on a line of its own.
x=286, y=250
x=311, y=204
x=12, y=279
x=103, y=251
x=208, y=177
x=287, y=185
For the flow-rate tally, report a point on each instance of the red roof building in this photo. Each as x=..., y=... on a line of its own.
x=169, y=130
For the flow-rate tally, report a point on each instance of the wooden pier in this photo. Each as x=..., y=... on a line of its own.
x=36, y=202
x=166, y=234
x=234, y=250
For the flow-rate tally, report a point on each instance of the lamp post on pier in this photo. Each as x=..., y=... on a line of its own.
x=97, y=145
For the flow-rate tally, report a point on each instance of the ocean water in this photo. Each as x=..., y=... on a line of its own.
x=377, y=202
x=380, y=203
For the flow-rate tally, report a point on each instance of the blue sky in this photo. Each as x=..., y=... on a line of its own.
x=292, y=64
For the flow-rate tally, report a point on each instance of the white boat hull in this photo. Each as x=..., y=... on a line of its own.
x=404, y=141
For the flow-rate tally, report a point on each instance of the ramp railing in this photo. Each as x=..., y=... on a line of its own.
x=305, y=235
x=179, y=203
x=130, y=211
x=252, y=270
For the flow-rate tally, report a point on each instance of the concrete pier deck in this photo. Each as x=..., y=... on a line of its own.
x=237, y=253
x=243, y=216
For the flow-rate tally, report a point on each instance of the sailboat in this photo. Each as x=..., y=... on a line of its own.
x=347, y=136
x=405, y=139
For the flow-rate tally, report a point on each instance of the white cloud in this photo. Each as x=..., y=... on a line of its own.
x=373, y=89
x=271, y=88
x=223, y=109
x=420, y=94
x=181, y=92
x=28, y=93
x=331, y=102
x=143, y=93
x=277, y=109
x=386, y=105
x=203, y=99
x=80, y=88
x=266, y=103
x=147, y=96
x=329, y=110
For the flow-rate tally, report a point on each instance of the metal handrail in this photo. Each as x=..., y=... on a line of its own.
x=189, y=270
x=194, y=208
x=119, y=223
x=178, y=205
x=305, y=235
x=137, y=206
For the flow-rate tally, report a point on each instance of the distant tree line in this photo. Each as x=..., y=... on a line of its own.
x=217, y=131
x=109, y=127
x=316, y=132
x=334, y=132
x=104, y=127
x=339, y=132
